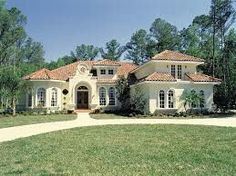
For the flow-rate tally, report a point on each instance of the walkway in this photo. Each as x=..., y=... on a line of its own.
x=11, y=133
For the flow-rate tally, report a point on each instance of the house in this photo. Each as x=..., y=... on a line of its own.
x=91, y=84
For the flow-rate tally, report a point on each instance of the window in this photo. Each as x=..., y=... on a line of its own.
x=54, y=97
x=162, y=99
x=102, y=96
x=172, y=70
x=171, y=99
x=202, y=99
x=111, y=72
x=65, y=92
x=41, y=95
x=103, y=72
x=82, y=88
x=194, y=103
x=93, y=72
x=179, y=72
x=30, y=100
x=112, y=98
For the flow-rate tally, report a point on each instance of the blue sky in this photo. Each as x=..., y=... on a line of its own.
x=60, y=25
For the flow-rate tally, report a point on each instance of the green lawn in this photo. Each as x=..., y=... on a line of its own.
x=24, y=120
x=123, y=150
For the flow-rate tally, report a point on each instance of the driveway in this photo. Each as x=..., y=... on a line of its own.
x=83, y=120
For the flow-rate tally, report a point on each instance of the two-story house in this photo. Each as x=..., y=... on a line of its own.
x=91, y=84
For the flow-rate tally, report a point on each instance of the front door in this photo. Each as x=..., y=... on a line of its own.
x=82, y=100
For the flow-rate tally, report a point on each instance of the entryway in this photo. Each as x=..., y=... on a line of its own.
x=82, y=98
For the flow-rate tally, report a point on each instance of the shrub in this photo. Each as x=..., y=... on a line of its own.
x=139, y=102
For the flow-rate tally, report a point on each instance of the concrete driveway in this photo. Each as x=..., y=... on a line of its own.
x=83, y=119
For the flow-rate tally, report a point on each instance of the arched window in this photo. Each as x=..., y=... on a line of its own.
x=194, y=103
x=41, y=96
x=54, y=97
x=202, y=99
x=171, y=99
x=102, y=96
x=112, y=98
x=82, y=88
x=162, y=99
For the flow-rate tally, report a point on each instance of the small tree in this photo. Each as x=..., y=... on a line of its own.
x=139, y=102
x=192, y=99
x=123, y=92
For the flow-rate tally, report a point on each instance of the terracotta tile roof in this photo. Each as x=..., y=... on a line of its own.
x=43, y=74
x=199, y=77
x=175, y=56
x=126, y=68
x=157, y=76
x=65, y=72
x=107, y=62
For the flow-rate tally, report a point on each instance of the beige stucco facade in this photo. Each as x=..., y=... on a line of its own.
x=164, y=85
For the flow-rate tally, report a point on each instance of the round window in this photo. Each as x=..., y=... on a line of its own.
x=65, y=92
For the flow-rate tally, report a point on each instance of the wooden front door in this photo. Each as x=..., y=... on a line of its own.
x=82, y=100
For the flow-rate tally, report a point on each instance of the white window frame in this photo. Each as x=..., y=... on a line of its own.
x=102, y=96
x=179, y=72
x=173, y=70
x=171, y=103
x=54, y=97
x=109, y=72
x=103, y=73
x=41, y=99
x=161, y=103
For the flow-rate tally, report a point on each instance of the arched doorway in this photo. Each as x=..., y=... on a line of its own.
x=82, y=97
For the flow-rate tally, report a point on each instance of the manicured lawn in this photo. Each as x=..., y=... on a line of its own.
x=24, y=120
x=115, y=116
x=123, y=150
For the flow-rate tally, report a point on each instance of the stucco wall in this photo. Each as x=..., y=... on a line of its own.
x=164, y=67
x=178, y=94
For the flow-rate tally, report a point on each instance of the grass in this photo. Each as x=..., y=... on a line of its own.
x=117, y=116
x=123, y=150
x=24, y=120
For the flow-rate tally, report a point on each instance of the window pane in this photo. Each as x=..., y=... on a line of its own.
x=110, y=72
x=41, y=95
x=112, y=100
x=54, y=97
x=103, y=72
x=162, y=99
x=173, y=70
x=102, y=96
x=179, y=76
x=171, y=99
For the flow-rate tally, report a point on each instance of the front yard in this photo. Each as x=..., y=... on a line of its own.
x=32, y=119
x=123, y=150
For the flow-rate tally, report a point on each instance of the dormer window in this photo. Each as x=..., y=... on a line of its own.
x=111, y=72
x=102, y=71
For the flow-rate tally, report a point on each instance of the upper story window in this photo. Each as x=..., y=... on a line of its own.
x=179, y=72
x=172, y=70
x=110, y=72
x=102, y=71
x=93, y=72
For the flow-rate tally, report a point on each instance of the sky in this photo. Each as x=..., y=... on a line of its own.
x=61, y=25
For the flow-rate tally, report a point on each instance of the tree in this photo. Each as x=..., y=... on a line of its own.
x=33, y=52
x=12, y=85
x=11, y=33
x=123, y=90
x=191, y=100
x=139, y=102
x=164, y=36
x=137, y=47
x=113, y=50
x=85, y=52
